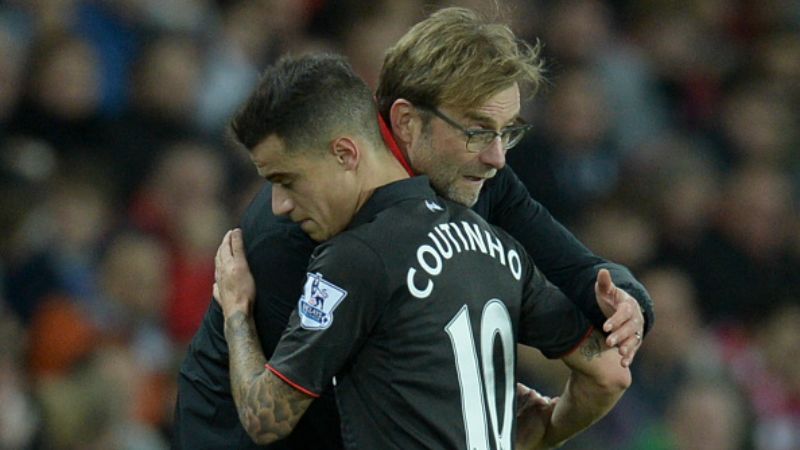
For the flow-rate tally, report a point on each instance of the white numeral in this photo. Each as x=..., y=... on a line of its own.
x=495, y=321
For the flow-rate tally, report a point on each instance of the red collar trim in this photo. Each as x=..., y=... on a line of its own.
x=395, y=149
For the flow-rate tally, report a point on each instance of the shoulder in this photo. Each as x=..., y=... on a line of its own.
x=503, y=190
x=350, y=250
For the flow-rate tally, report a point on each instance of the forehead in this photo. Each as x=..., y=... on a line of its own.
x=270, y=157
x=499, y=109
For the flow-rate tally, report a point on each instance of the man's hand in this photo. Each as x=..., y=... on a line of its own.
x=234, y=287
x=625, y=321
x=533, y=415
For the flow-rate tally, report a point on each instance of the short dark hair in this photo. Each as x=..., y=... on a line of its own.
x=304, y=101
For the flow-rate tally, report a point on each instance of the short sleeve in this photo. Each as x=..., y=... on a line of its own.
x=342, y=299
x=549, y=321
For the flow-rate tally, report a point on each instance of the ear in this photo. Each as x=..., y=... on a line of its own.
x=347, y=152
x=405, y=122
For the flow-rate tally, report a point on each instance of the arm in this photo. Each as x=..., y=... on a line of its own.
x=596, y=382
x=268, y=407
x=566, y=262
x=553, y=324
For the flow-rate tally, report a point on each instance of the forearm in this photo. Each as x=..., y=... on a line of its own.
x=582, y=403
x=596, y=383
x=268, y=408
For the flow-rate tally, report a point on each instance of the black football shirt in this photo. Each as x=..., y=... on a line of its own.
x=278, y=253
x=415, y=312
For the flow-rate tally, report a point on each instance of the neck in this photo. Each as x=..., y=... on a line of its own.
x=384, y=170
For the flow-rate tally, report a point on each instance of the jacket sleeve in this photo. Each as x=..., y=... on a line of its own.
x=564, y=260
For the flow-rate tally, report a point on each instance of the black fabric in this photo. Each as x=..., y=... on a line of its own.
x=393, y=352
x=564, y=260
x=278, y=253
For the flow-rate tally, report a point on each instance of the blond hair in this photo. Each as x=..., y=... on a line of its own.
x=456, y=57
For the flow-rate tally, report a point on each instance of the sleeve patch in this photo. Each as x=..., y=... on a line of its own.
x=320, y=298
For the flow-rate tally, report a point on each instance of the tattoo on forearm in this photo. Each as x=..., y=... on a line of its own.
x=593, y=346
x=268, y=408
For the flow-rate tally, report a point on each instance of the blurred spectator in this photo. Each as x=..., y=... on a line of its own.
x=164, y=95
x=581, y=34
x=770, y=374
x=94, y=406
x=187, y=174
x=778, y=59
x=135, y=282
x=688, y=55
x=619, y=234
x=707, y=414
x=56, y=243
x=231, y=68
x=570, y=162
x=745, y=264
x=677, y=183
x=19, y=417
x=180, y=203
x=62, y=97
x=758, y=126
x=12, y=59
x=113, y=30
x=384, y=22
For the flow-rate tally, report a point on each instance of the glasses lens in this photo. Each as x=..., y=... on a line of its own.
x=512, y=136
x=479, y=140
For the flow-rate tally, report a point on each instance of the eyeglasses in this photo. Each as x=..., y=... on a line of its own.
x=479, y=139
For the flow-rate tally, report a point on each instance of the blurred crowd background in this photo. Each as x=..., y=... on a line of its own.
x=666, y=139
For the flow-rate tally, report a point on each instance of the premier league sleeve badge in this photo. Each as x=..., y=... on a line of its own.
x=320, y=298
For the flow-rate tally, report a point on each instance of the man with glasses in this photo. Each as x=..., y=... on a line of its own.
x=452, y=84
x=477, y=87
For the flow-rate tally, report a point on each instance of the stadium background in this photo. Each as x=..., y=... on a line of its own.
x=667, y=139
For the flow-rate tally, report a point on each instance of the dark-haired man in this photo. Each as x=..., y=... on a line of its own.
x=413, y=305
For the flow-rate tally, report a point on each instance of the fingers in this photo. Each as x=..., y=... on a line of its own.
x=628, y=349
x=626, y=323
x=237, y=243
x=604, y=283
x=527, y=397
x=628, y=338
x=232, y=246
x=607, y=295
x=223, y=249
x=627, y=310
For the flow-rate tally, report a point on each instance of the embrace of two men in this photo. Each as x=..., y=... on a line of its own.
x=422, y=262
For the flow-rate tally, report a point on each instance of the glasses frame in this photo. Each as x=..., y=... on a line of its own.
x=470, y=133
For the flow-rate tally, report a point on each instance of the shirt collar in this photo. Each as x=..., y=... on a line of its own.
x=393, y=147
x=392, y=193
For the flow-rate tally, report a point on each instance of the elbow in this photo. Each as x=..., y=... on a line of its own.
x=253, y=425
x=615, y=382
x=612, y=382
x=261, y=438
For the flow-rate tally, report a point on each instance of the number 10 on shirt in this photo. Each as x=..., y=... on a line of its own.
x=474, y=381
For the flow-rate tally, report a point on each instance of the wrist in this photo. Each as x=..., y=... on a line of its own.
x=233, y=308
x=551, y=441
x=235, y=314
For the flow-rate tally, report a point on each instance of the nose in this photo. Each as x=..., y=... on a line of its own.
x=282, y=204
x=494, y=155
